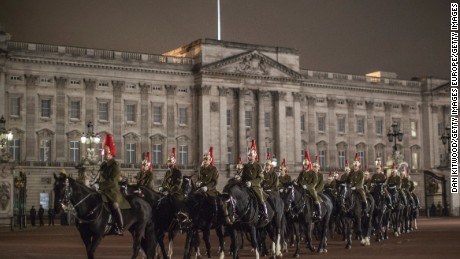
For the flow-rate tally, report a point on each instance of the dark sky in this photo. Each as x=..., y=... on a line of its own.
x=409, y=37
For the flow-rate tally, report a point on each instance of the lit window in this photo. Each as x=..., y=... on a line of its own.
x=45, y=108
x=103, y=111
x=75, y=110
x=131, y=153
x=183, y=155
x=182, y=116
x=15, y=150
x=413, y=129
x=45, y=150
x=74, y=152
x=157, y=154
x=157, y=115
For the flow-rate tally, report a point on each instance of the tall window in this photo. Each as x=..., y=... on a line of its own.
x=248, y=118
x=157, y=154
x=15, y=106
x=45, y=109
x=103, y=111
x=229, y=118
x=157, y=115
x=45, y=150
x=440, y=129
x=131, y=112
x=341, y=155
x=321, y=122
x=413, y=129
x=183, y=155
x=131, y=153
x=322, y=158
x=362, y=158
x=341, y=123
x=74, y=152
x=15, y=150
x=267, y=120
x=302, y=122
x=414, y=160
x=229, y=156
x=74, y=110
x=379, y=126
x=360, y=125
x=182, y=116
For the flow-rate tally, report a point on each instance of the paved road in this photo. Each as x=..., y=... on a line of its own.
x=435, y=238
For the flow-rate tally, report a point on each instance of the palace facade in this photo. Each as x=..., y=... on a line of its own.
x=214, y=93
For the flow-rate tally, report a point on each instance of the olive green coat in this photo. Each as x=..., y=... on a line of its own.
x=253, y=173
x=411, y=186
x=320, y=183
x=378, y=178
x=172, y=181
x=345, y=177
x=209, y=177
x=109, y=176
x=284, y=180
x=405, y=184
x=395, y=180
x=270, y=182
x=357, y=181
x=309, y=178
x=145, y=178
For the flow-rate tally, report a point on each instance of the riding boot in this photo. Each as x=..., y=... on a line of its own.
x=264, y=213
x=118, y=218
x=317, y=215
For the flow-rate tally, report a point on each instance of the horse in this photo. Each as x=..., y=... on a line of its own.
x=414, y=212
x=350, y=214
x=381, y=211
x=94, y=218
x=299, y=209
x=204, y=218
x=241, y=213
x=395, y=213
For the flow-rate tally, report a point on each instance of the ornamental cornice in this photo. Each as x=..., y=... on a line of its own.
x=251, y=76
x=31, y=80
x=360, y=89
x=90, y=65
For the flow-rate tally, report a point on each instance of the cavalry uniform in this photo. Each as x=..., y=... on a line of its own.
x=357, y=182
x=320, y=183
x=283, y=179
x=270, y=182
x=345, y=177
x=308, y=179
x=330, y=185
x=172, y=182
x=208, y=175
x=145, y=175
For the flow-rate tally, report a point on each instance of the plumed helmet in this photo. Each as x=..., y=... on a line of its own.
x=253, y=150
x=357, y=162
x=63, y=171
x=239, y=166
x=147, y=160
x=394, y=168
x=269, y=159
x=347, y=166
x=172, y=157
x=330, y=176
x=378, y=164
x=108, y=145
x=316, y=163
x=306, y=160
x=209, y=155
x=283, y=166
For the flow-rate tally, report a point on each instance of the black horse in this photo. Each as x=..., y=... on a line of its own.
x=396, y=211
x=351, y=214
x=381, y=211
x=241, y=212
x=94, y=219
x=299, y=209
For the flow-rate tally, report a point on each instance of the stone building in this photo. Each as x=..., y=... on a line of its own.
x=211, y=93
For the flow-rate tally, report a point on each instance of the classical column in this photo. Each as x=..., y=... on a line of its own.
x=3, y=95
x=351, y=104
x=204, y=118
x=222, y=138
x=331, y=161
x=407, y=132
x=90, y=101
x=171, y=118
x=386, y=127
x=261, y=125
x=311, y=124
x=434, y=138
x=241, y=126
x=31, y=115
x=145, y=118
x=370, y=132
x=118, y=117
x=60, y=118
x=280, y=125
x=297, y=130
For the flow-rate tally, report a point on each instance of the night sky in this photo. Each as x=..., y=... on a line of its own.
x=409, y=37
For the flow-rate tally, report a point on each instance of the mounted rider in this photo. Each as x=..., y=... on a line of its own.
x=344, y=178
x=208, y=177
x=308, y=179
x=145, y=175
x=253, y=176
x=357, y=182
x=320, y=181
x=270, y=182
x=380, y=178
x=405, y=186
x=283, y=179
x=172, y=184
x=109, y=175
x=330, y=185
x=367, y=180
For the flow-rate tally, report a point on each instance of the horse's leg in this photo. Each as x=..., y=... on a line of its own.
x=234, y=240
x=86, y=238
x=220, y=236
x=348, y=230
x=171, y=235
x=308, y=235
x=160, y=235
x=206, y=234
x=95, y=241
x=254, y=241
x=296, y=230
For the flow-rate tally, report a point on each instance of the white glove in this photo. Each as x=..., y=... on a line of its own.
x=248, y=184
x=161, y=189
x=304, y=186
x=295, y=183
x=353, y=188
x=198, y=184
x=204, y=189
x=281, y=190
x=237, y=177
x=96, y=186
x=165, y=193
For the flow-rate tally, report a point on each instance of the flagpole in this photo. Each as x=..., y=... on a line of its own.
x=218, y=19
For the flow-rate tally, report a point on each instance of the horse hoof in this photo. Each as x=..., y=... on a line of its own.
x=348, y=247
x=296, y=255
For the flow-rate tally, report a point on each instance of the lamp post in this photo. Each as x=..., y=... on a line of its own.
x=445, y=138
x=394, y=134
x=20, y=182
x=90, y=160
x=5, y=136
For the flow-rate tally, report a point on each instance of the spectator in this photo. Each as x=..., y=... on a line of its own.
x=41, y=213
x=432, y=210
x=33, y=214
x=51, y=216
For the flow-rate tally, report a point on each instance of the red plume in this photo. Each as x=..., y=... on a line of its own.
x=108, y=141
x=211, y=153
x=347, y=164
x=173, y=152
x=147, y=157
x=268, y=156
x=254, y=147
x=356, y=157
x=394, y=166
x=307, y=156
x=240, y=161
x=284, y=164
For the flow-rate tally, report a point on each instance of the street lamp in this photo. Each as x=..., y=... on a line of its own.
x=445, y=138
x=394, y=134
x=5, y=136
x=91, y=158
x=20, y=182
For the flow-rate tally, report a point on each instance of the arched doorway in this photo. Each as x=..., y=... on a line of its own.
x=435, y=195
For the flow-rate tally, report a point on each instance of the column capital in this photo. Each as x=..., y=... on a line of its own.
x=331, y=101
x=351, y=103
x=223, y=91
x=369, y=104
x=90, y=83
x=434, y=108
x=144, y=87
x=60, y=81
x=170, y=89
x=203, y=89
x=31, y=80
x=387, y=105
x=297, y=96
x=281, y=95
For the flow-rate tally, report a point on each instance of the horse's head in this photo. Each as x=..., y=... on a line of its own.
x=187, y=185
x=342, y=192
x=62, y=192
x=228, y=207
x=288, y=196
